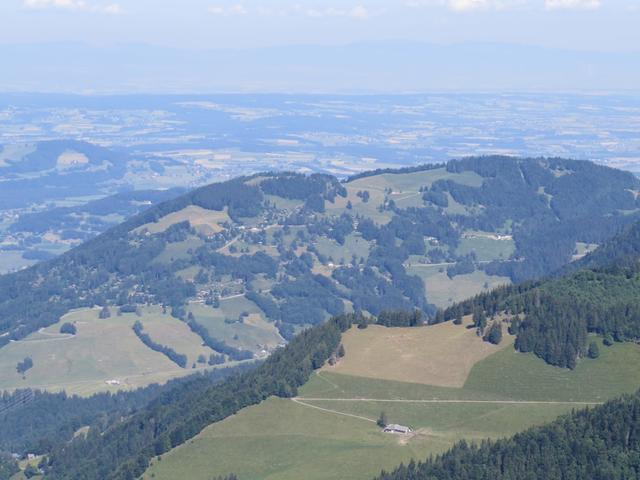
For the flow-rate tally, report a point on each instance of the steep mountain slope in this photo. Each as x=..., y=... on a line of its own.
x=301, y=248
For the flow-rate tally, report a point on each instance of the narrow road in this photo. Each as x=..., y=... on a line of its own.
x=303, y=401
x=237, y=237
x=55, y=337
x=500, y=402
x=335, y=412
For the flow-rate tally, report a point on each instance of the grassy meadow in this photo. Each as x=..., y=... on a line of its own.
x=329, y=430
x=253, y=333
x=101, y=350
x=443, y=291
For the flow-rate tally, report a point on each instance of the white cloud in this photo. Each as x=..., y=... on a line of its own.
x=113, y=9
x=78, y=5
x=572, y=4
x=359, y=12
x=468, y=5
x=465, y=5
x=237, y=9
x=62, y=4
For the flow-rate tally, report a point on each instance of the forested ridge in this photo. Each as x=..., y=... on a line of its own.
x=599, y=443
x=548, y=204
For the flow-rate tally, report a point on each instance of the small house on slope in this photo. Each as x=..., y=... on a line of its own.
x=398, y=429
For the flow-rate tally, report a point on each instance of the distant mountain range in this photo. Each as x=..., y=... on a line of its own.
x=353, y=68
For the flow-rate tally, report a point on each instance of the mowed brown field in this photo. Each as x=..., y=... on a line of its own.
x=205, y=221
x=440, y=355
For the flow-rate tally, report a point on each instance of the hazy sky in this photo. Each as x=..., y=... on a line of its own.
x=602, y=25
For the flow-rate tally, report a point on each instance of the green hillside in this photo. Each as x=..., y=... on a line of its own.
x=233, y=271
x=248, y=263
x=504, y=394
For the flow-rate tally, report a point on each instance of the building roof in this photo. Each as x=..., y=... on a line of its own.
x=394, y=427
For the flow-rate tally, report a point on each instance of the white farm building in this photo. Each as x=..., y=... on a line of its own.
x=395, y=428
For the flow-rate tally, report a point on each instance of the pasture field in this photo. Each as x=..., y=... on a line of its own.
x=12, y=260
x=486, y=248
x=329, y=430
x=440, y=355
x=366, y=209
x=354, y=244
x=203, y=220
x=165, y=329
x=283, y=203
x=402, y=182
x=178, y=250
x=443, y=291
x=404, y=191
x=526, y=377
x=583, y=249
x=505, y=375
x=281, y=440
x=254, y=333
x=101, y=350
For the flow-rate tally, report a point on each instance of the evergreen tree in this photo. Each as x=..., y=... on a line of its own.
x=594, y=351
x=68, y=328
x=494, y=335
x=24, y=365
x=382, y=420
